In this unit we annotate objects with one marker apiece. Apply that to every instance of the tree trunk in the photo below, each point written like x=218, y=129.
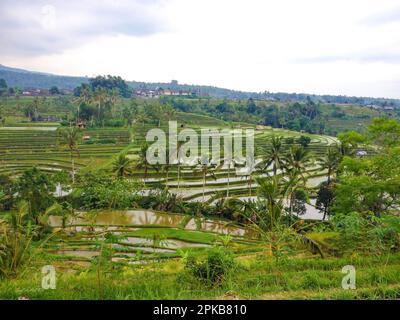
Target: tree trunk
x=229, y=176
x=73, y=170
x=204, y=184
x=166, y=179
x=179, y=178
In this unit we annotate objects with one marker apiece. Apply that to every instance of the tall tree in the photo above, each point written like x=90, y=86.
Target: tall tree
x=141, y=162
x=330, y=162
x=273, y=192
x=297, y=161
x=85, y=98
x=325, y=198
x=70, y=137
x=100, y=97
x=274, y=155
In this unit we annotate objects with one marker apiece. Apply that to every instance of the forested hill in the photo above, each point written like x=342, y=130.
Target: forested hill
x=30, y=79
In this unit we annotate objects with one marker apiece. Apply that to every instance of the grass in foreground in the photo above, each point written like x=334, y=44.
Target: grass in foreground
x=254, y=277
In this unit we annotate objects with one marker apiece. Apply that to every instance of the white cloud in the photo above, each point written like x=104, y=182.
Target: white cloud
x=46, y=27
x=308, y=46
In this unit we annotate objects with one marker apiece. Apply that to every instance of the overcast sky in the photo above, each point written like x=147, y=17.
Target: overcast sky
x=348, y=47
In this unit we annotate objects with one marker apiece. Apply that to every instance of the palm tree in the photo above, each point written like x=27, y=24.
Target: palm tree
x=231, y=164
x=275, y=154
x=296, y=164
x=84, y=98
x=330, y=162
x=122, y=166
x=297, y=161
x=70, y=137
x=65, y=211
x=169, y=112
x=2, y=107
x=100, y=97
x=205, y=165
x=113, y=98
x=273, y=192
x=141, y=117
x=294, y=183
x=166, y=167
x=179, y=147
x=141, y=162
x=17, y=94
x=250, y=168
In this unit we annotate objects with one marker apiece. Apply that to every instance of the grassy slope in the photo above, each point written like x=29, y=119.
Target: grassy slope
x=255, y=278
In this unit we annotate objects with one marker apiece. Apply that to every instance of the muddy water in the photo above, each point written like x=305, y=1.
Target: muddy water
x=168, y=243
x=148, y=217
x=125, y=218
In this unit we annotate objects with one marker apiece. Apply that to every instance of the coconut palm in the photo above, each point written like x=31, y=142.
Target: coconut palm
x=179, y=147
x=113, y=98
x=141, y=117
x=330, y=162
x=205, y=165
x=273, y=192
x=141, y=162
x=294, y=183
x=122, y=165
x=165, y=168
x=169, y=112
x=274, y=155
x=65, y=211
x=85, y=97
x=230, y=164
x=100, y=97
x=249, y=169
x=297, y=161
x=2, y=112
x=69, y=137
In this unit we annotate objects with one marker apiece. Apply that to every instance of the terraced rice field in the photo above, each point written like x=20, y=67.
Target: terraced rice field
x=140, y=235
x=190, y=186
x=24, y=147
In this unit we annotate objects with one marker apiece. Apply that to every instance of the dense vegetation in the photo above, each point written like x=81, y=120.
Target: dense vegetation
x=85, y=200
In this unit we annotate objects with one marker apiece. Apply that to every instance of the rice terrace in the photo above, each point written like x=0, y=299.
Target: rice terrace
x=85, y=214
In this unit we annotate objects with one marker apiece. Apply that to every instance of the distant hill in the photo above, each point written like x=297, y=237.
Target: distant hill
x=31, y=79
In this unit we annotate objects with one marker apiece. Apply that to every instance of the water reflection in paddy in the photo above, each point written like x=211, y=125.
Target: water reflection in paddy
x=148, y=218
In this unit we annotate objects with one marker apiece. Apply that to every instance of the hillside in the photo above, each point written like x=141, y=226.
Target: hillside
x=27, y=79
x=30, y=79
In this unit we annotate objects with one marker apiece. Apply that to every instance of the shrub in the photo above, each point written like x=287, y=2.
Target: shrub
x=214, y=268
x=15, y=242
x=367, y=233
